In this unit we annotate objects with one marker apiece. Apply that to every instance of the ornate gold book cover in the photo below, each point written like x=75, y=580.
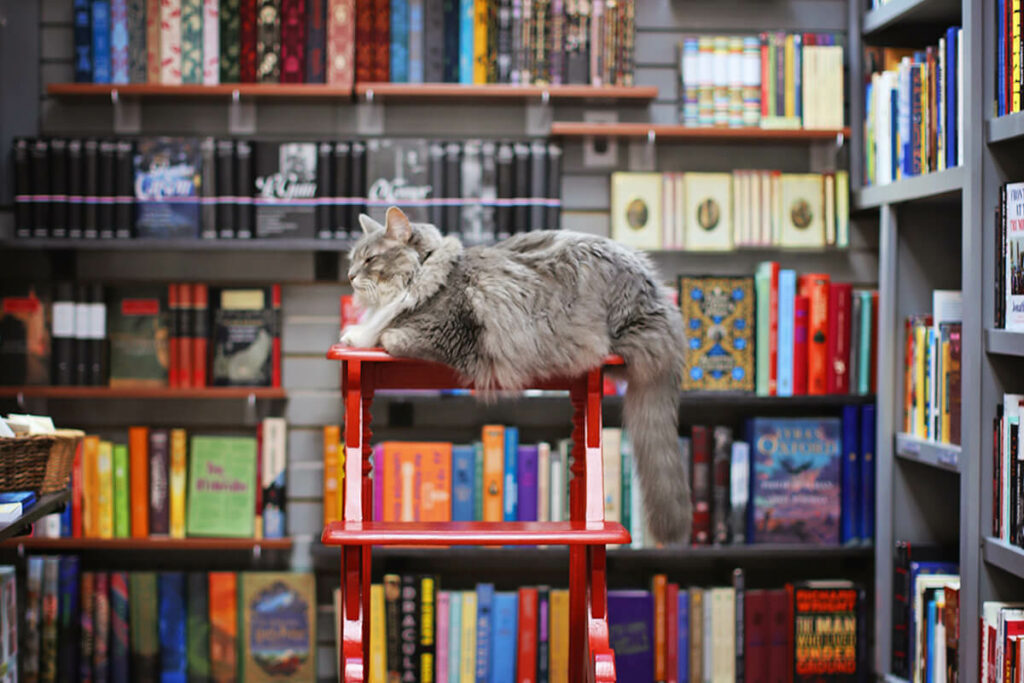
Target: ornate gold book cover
x=718, y=318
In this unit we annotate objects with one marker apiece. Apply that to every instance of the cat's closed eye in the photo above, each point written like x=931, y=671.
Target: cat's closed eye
x=369, y=259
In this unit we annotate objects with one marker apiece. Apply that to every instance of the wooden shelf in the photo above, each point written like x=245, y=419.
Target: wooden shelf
x=258, y=393
x=178, y=245
x=927, y=187
x=150, y=544
x=567, y=129
x=1007, y=557
x=904, y=13
x=45, y=505
x=224, y=90
x=1004, y=342
x=1006, y=128
x=412, y=92
x=939, y=455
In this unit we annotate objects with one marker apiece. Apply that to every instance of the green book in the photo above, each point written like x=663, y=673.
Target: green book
x=197, y=627
x=478, y=477
x=864, y=344
x=137, y=330
x=230, y=44
x=763, y=290
x=192, y=41
x=122, y=488
x=222, y=487
x=142, y=619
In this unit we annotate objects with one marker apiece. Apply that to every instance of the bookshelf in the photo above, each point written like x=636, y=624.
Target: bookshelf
x=940, y=455
x=296, y=91
x=90, y=393
x=1006, y=129
x=45, y=505
x=574, y=129
x=931, y=187
x=1004, y=343
x=456, y=92
x=903, y=14
x=209, y=545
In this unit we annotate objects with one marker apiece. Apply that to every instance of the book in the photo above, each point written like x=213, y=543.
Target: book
x=787, y=318
x=119, y=634
x=104, y=491
x=493, y=473
x=333, y=474
x=68, y=617
x=273, y=477
x=484, y=630
x=277, y=626
x=176, y=483
x=709, y=220
x=503, y=638
x=245, y=336
x=221, y=489
x=171, y=616
x=25, y=323
x=636, y=210
x=558, y=637
x=510, y=489
x=167, y=182
x=138, y=469
x=159, y=482
x=138, y=330
x=197, y=626
x=631, y=633
x=467, y=641
x=285, y=190
x=463, y=485
x=802, y=220
x=122, y=509
x=101, y=626
x=721, y=460
x=224, y=623
x=825, y=630
x=527, y=634
x=715, y=360
x=700, y=478
x=378, y=633
x=850, y=476
x=142, y=620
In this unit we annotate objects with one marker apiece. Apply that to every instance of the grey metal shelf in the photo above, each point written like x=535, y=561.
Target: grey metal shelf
x=1007, y=557
x=1006, y=128
x=1004, y=342
x=928, y=187
x=943, y=456
x=902, y=13
x=177, y=244
x=46, y=504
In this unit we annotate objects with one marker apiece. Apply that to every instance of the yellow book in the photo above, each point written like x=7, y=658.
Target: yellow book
x=790, y=95
x=378, y=635
x=559, y=637
x=920, y=345
x=332, y=508
x=494, y=472
x=178, y=482
x=105, y=490
x=467, y=648
x=428, y=597
x=480, y=52
x=90, y=486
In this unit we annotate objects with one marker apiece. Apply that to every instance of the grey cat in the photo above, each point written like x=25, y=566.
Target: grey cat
x=541, y=304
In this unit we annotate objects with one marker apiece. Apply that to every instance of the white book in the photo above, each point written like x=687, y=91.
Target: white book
x=636, y=498
x=708, y=641
x=211, y=42
x=939, y=646
x=558, y=484
x=739, y=490
x=170, y=42
x=543, y=482
x=723, y=642
x=922, y=583
x=1010, y=612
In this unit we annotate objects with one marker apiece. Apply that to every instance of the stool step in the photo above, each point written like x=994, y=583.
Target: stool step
x=474, y=533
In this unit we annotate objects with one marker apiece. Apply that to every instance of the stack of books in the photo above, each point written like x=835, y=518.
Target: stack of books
x=931, y=378
x=1008, y=472
x=1002, y=652
x=758, y=81
x=1008, y=58
x=1009, y=255
x=162, y=483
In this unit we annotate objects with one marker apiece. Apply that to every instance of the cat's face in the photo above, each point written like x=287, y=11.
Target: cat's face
x=384, y=260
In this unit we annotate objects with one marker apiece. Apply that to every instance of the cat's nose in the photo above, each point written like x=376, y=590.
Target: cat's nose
x=352, y=273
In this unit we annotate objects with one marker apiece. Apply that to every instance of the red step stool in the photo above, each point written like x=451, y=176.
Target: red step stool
x=586, y=534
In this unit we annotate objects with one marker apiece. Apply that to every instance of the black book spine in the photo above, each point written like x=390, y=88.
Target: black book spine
x=521, y=183
x=23, y=189
x=106, y=194
x=450, y=65
x=436, y=180
x=358, y=187
x=125, y=189
x=75, y=163
x=409, y=634
x=434, y=38
x=243, y=192
x=554, y=193
x=393, y=624
x=488, y=190
x=721, y=457
x=452, y=188
x=543, y=636
x=505, y=189
x=97, y=336
x=63, y=336
x=341, y=194
x=208, y=189
x=325, y=194
x=538, y=185
x=82, y=335
x=41, y=188
x=504, y=58
x=59, y=188
x=226, y=204
x=739, y=588
x=92, y=182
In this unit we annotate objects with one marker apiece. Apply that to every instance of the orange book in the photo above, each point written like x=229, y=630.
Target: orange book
x=558, y=637
x=223, y=626
x=332, y=482
x=138, y=472
x=200, y=334
x=90, y=486
x=174, y=340
x=526, y=652
x=435, y=469
x=658, y=586
x=185, y=335
x=494, y=472
x=815, y=287
x=417, y=481
x=401, y=496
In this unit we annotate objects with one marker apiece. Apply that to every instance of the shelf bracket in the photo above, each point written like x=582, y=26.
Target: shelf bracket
x=127, y=114
x=369, y=116
x=241, y=115
x=539, y=116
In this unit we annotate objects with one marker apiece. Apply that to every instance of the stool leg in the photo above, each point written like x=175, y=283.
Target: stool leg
x=601, y=659
x=354, y=618
x=577, y=554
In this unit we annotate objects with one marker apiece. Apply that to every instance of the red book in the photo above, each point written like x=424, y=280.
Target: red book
x=184, y=315
x=780, y=667
x=526, y=652
x=76, y=493
x=765, y=75
x=293, y=41
x=815, y=287
x=341, y=43
x=275, y=296
x=381, y=41
x=800, y=315
x=700, y=478
x=200, y=333
x=672, y=633
x=838, y=377
x=773, y=332
x=364, y=47
x=874, y=342
x=174, y=340
x=756, y=631
x=247, y=38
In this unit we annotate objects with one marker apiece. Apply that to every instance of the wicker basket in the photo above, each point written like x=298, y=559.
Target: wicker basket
x=40, y=463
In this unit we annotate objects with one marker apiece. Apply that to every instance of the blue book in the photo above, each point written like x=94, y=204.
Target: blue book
x=850, y=492
x=67, y=618
x=511, y=492
x=171, y=611
x=867, y=473
x=416, y=38
x=503, y=638
x=101, y=41
x=484, y=610
x=119, y=41
x=930, y=665
x=903, y=113
x=65, y=522
x=631, y=634
x=399, y=41
x=951, y=95
x=454, y=635
x=26, y=498
x=82, y=11
x=526, y=484
x=798, y=70
x=684, y=636
x=466, y=42
x=450, y=61
x=463, y=484
x=787, y=303
x=895, y=126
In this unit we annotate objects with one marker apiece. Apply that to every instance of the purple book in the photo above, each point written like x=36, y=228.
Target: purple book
x=159, y=492
x=378, y=482
x=101, y=627
x=526, y=483
x=631, y=630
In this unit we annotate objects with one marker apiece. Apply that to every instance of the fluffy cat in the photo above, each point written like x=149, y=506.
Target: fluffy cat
x=541, y=304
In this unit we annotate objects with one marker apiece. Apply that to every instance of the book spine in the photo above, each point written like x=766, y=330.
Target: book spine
x=467, y=52
x=325, y=204
x=463, y=484
x=86, y=625
x=243, y=192
x=838, y=378
x=224, y=618
x=503, y=61
x=382, y=41
x=90, y=197
x=101, y=627
x=510, y=492
x=174, y=338
x=481, y=57
x=159, y=470
x=392, y=602
x=527, y=636
x=364, y=48
x=225, y=194
x=721, y=460
x=119, y=639
x=333, y=474
x=124, y=189
x=82, y=329
x=484, y=618
x=701, y=483
x=68, y=619
x=247, y=39
x=659, y=587
x=210, y=202
x=274, y=477
x=538, y=186
x=293, y=41
x=63, y=334
x=493, y=473
x=153, y=50
x=105, y=490
x=191, y=41
x=172, y=611
x=399, y=50
x=177, y=484
x=341, y=177
x=427, y=640
x=138, y=468
x=48, y=620
x=41, y=188
x=850, y=473
x=450, y=58
x=122, y=493
x=230, y=41
x=416, y=41
x=119, y=41
x=275, y=299
x=867, y=473
x=268, y=41
x=24, y=188
x=197, y=627
x=106, y=193
x=801, y=310
x=82, y=17
x=101, y=65
x=316, y=45
x=787, y=294
x=170, y=42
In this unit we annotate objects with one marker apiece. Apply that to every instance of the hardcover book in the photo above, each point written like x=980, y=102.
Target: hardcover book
x=1013, y=245
x=825, y=631
x=24, y=335
x=708, y=221
x=230, y=40
x=142, y=620
x=268, y=41
x=191, y=41
x=285, y=190
x=397, y=174
x=636, y=211
x=245, y=337
x=293, y=41
x=137, y=325
x=221, y=491
x=795, y=481
x=224, y=623
x=631, y=634
x=168, y=177
x=278, y=626
x=197, y=627
x=802, y=221
x=718, y=315
x=171, y=620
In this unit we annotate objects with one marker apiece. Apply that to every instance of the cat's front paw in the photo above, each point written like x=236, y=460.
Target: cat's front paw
x=357, y=337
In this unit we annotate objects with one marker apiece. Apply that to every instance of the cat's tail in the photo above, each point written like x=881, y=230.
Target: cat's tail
x=651, y=418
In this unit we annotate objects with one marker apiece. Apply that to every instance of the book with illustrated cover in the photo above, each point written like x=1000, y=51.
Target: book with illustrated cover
x=245, y=338
x=397, y=174
x=24, y=335
x=825, y=630
x=718, y=316
x=137, y=327
x=285, y=190
x=636, y=209
x=221, y=490
x=224, y=622
x=278, y=626
x=168, y=179
x=1013, y=257
x=708, y=221
x=803, y=218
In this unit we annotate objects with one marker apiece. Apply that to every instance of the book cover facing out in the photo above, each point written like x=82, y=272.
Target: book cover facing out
x=278, y=626
x=718, y=317
x=397, y=174
x=168, y=175
x=631, y=634
x=243, y=337
x=825, y=631
x=137, y=327
x=221, y=488
x=285, y=189
x=24, y=335
x=795, y=482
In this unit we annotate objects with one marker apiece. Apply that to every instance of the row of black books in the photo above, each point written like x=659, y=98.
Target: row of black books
x=184, y=188
x=152, y=335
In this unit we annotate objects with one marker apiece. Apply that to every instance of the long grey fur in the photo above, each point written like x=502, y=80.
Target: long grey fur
x=538, y=305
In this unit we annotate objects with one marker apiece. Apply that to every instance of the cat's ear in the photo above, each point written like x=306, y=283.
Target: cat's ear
x=369, y=225
x=398, y=226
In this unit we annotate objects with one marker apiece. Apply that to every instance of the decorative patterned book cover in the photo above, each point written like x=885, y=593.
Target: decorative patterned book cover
x=381, y=41
x=416, y=38
x=138, y=336
x=167, y=186
x=503, y=42
x=211, y=42
x=278, y=626
x=101, y=67
x=268, y=41
x=285, y=190
x=119, y=641
x=342, y=56
x=153, y=32
x=399, y=50
x=230, y=40
x=316, y=41
x=119, y=41
x=434, y=40
x=795, y=481
x=365, y=51
x=247, y=24
x=171, y=619
x=170, y=42
x=82, y=12
x=293, y=41
x=718, y=316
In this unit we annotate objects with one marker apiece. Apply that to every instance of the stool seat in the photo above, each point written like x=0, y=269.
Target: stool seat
x=474, y=533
